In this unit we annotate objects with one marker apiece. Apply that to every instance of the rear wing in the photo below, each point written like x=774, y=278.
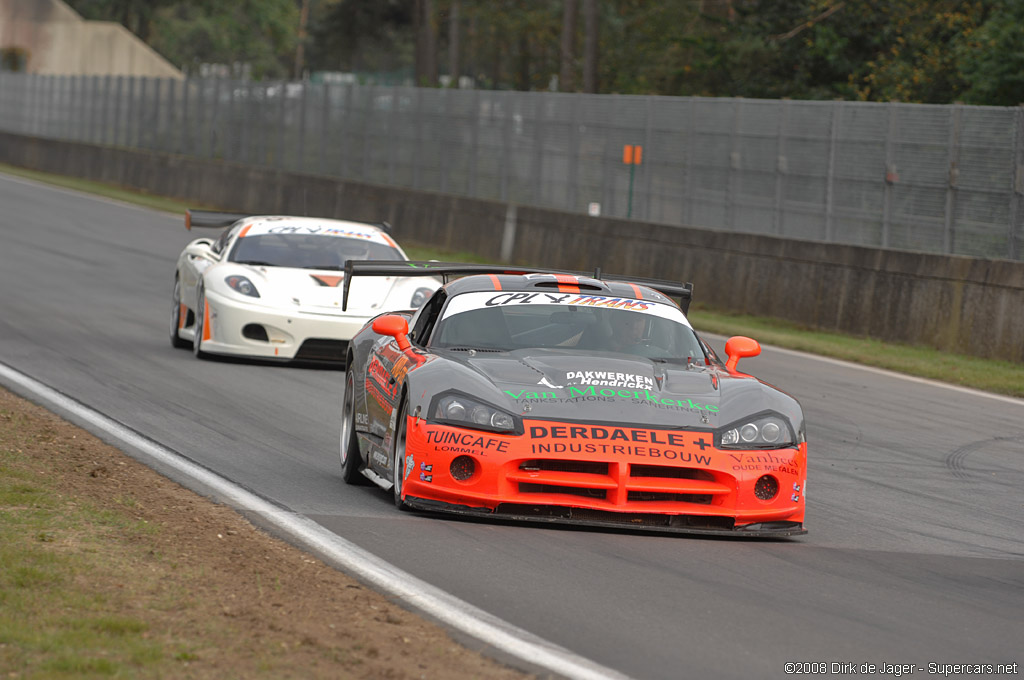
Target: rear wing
x=445, y=270
x=211, y=218
x=216, y=219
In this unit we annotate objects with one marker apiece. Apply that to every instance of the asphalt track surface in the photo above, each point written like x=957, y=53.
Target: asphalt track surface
x=915, y=508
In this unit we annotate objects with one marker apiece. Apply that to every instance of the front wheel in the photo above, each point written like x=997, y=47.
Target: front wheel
x=351, y=459
x=398, y=471
x=176, y=341
x=200, y=324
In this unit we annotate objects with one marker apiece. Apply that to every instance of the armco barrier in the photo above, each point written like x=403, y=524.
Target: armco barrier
x=961, y=304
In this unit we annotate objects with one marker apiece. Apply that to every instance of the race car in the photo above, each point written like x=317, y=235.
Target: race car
x=268, y=286
x=543, y=395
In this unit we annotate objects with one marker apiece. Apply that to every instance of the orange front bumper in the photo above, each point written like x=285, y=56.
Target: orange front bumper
x=600, y=474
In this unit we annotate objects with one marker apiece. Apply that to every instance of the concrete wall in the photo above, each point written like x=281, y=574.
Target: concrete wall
x=966, y=305
x=60, y=42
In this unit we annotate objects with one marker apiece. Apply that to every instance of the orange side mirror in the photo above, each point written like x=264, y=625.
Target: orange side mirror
x=738, y=347
x=398, y=328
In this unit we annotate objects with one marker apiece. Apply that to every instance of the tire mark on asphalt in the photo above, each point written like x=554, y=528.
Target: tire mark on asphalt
x=955, y=460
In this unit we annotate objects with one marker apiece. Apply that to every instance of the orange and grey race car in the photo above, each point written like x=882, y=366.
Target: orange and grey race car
x=540, y=395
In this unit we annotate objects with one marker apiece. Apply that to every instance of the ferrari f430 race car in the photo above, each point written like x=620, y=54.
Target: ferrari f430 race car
x=550, y=396
x=268, y=286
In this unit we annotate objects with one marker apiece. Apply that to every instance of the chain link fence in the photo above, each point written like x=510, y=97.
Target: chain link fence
x=943, y=179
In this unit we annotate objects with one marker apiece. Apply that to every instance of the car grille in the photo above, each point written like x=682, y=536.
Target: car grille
x=660, y=489
x=321, y=349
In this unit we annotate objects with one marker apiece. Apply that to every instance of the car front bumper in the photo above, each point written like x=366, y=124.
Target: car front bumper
x=630, y=477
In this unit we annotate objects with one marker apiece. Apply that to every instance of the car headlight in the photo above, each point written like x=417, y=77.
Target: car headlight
x=762, y=431
x=459, y=409
x=242, y=285
x=420, y=296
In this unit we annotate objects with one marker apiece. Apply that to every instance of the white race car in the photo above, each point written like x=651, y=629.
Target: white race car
x=269, y=287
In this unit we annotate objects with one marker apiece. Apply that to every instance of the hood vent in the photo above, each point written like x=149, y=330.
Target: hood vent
x=327, y=281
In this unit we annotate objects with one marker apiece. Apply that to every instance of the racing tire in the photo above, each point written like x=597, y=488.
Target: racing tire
x=197, y=338
x=176, y=340
x=351, y=458
x=398, y=456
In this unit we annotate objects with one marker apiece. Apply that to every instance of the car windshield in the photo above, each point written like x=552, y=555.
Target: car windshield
x=308, y=251
x=497, y=321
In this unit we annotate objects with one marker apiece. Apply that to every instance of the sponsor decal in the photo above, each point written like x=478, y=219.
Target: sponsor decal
x=382, y=378
x=410, y=465
x=426, y=478
x=400, y=367
x=379, y=457
x=466, y=302
x=426, y=468
x=567, y=299
x=763, y=462
x=644, y=397
x=621, y=441
x=463, y=442
x=610, y=379
x=374, y=391
x=325, y=231
x=362, y=419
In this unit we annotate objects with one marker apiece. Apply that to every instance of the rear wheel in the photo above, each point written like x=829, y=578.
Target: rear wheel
x=176, y=340
x=398, y=471
x=200, y=324
x=351, y=459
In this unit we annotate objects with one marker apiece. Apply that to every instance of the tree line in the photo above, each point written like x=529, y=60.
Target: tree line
x=930, y=51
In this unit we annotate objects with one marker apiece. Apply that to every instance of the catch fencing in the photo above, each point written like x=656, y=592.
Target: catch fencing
x=928, y=178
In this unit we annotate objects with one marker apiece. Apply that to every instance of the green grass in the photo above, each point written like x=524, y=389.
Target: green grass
x=1002, y=377
x=49, y=628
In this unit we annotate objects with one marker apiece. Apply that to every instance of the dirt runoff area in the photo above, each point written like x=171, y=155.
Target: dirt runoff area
x=201, y=577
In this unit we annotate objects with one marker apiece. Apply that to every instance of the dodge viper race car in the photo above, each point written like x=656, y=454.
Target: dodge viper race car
x=267, y=286
x=527, y=394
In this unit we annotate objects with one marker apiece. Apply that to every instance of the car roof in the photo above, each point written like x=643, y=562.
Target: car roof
x=554, y=283
x=256, y=225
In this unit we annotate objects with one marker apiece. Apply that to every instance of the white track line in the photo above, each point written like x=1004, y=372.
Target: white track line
x=341, y=553
x=880, y=371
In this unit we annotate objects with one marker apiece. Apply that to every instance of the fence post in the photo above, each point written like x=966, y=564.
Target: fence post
x=118, y=103
x=417, y=151
x=158, y=86
x=573, y=179
x=324, y=138
x=688, y=179
x=1017, y=188
x=781, y=168
x=538, y=158
x=88, y=108
x=735, y=162
x=32, y=103
x=890, y=177
x=345, y=125
x=170, y=137
x=445, y=136
x=645, y=172
x=300, y=162
x=837, y=111
x=391, y=133
x=506, y=147
x=281, y=120
x=474, y=142
x=105, y=119
x=184, y=147
x=953, y=156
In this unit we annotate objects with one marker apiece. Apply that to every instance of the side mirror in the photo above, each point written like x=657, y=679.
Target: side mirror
x=199, y=250
x=397, y=327
x=738, y=347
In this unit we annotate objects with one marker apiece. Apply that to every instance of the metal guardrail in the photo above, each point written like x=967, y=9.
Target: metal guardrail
x=942, y=179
